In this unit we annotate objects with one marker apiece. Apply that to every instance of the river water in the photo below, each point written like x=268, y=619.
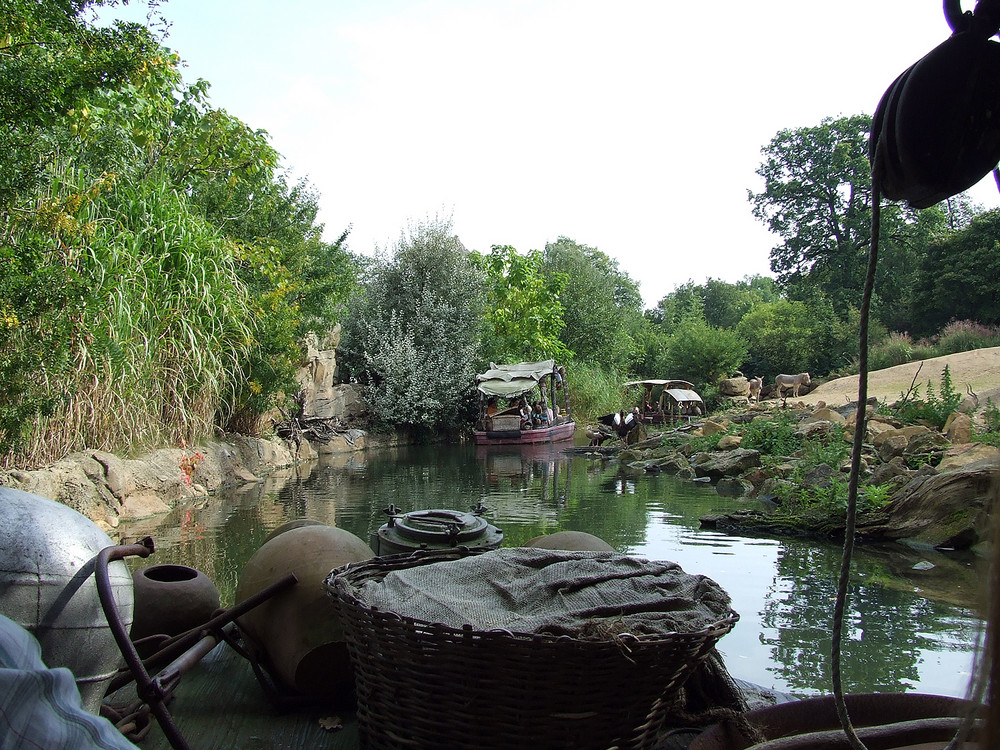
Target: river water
x=913, y=616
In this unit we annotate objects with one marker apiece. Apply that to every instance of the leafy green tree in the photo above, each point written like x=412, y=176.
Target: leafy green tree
x=817, y=199
x=412, y=337
x=602, y=305
x=725, y=304
x=524, y=314
x=703, y=354
x=686, y=301
x=956, y=279
x=779, y=336
x=51, y=60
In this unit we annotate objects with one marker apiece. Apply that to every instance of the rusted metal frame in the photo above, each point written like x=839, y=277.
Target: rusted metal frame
x=155, y=691
x=183, y=641
x=148, y=689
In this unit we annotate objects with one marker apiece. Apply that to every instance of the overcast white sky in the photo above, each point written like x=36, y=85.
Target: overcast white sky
x=633, y=126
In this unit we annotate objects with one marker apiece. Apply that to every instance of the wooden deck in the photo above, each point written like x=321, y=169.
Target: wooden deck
x=220, y=705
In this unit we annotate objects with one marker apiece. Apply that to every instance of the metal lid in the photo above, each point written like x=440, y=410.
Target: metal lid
x=439, y=526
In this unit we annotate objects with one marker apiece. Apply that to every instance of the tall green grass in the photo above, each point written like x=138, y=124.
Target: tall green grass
x=596, y=390
x=157, y=330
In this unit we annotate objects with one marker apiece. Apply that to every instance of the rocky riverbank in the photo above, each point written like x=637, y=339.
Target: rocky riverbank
x=933, y=488
x=109, y=489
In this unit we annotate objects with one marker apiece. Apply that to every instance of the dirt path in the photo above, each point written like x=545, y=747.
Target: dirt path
x=979, y=369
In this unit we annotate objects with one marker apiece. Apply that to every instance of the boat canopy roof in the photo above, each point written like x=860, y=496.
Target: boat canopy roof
x=665, y=383
x=683, y=394
x=513, y=380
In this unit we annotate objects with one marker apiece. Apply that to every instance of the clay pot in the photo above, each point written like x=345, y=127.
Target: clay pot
x=171, y=599
x=293, y=524
x=297, y=634
x=577, y=541
x=48, y=553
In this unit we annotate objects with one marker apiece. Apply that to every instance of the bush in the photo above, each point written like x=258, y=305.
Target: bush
x=702, y=354
x=935, y=408
x=774, y=436
x=897, y=349
x=965, y=335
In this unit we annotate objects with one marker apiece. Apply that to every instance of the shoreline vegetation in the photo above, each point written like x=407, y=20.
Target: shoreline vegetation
x=161, y=271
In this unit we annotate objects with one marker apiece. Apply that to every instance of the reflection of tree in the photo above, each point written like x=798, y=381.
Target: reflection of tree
x=885, y=632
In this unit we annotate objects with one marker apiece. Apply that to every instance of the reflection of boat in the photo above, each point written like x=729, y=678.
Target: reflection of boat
x=524, y=387
x=667, y=400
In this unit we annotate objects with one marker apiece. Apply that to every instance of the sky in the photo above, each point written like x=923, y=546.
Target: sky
x=634, y=127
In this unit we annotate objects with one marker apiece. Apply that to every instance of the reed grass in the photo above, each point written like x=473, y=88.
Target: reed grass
x=159, y=330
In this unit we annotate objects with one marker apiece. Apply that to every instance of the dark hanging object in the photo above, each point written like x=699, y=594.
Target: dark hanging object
x=936, y=131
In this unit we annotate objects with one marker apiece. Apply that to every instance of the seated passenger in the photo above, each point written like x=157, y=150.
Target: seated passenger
x=525, y=413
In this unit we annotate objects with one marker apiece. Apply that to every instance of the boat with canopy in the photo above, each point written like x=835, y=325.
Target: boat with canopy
x=523, y=404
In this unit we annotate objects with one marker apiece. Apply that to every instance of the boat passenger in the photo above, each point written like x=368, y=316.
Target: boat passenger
x=525, y=416
x=491, y=406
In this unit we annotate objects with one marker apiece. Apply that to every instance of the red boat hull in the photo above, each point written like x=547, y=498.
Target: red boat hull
x=554, y=434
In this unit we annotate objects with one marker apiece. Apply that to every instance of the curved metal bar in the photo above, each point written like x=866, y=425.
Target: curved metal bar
x=149, y=690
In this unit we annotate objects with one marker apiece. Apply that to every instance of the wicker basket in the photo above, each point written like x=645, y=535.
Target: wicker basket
x=427, y=685
x=504, y=422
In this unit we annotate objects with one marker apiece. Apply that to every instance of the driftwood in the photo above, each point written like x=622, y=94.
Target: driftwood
x=313, y=429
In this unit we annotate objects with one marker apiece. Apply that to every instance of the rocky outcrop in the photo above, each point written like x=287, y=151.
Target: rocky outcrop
x=947, y=511
x=106, y=488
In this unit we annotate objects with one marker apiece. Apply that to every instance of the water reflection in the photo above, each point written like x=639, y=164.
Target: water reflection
x=910, y=628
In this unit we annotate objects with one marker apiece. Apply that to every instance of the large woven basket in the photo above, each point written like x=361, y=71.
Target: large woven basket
x=427, y=685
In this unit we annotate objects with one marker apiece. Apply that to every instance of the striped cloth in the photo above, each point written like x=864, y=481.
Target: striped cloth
x=40, y=708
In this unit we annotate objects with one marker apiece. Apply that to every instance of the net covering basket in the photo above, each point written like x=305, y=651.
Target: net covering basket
x=427, y=684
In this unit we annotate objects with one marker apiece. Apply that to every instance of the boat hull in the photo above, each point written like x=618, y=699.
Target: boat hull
x=556, y=433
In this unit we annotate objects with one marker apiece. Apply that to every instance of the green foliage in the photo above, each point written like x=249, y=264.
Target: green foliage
x=413, y=337
x=524, y=315
x=774, y=437
x=966, y=335
x=702, y=354
x=52, y=60
x=896, y=349
x=817, y=199
x=874, y=496
x=956, y=277
x=596, y=390
x=935, y=408
x=156, y=270
x=602, y=307
x=779, y=338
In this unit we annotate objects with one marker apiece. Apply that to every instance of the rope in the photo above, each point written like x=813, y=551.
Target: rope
x=852, y=487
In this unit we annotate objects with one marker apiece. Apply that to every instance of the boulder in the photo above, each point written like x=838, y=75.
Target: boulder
x=729, y=442
x=712, y=428
x=906, y=432
x=725, y=463
x=948, y=511
x=957, y=456
x=826, y=415
x=733, y=487
x=958, y=428
x=738, y=386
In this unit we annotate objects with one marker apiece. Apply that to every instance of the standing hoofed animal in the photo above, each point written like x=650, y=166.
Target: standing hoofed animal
x=784, y=382
x=755, y=385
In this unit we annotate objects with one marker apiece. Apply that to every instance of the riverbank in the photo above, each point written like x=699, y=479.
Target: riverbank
x=109, y=489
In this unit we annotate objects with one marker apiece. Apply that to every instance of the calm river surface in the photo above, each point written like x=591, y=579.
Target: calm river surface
x=910, y=629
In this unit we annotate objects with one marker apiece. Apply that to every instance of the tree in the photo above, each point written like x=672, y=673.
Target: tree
x=524, y=313
x=602, y=306
x=956, y=279
x=817, y=199
x=412, y=337
x=703, y=354
x=51, y=60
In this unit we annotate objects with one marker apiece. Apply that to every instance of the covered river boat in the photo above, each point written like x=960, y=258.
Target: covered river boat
x=664, y=401
x=523, y=404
